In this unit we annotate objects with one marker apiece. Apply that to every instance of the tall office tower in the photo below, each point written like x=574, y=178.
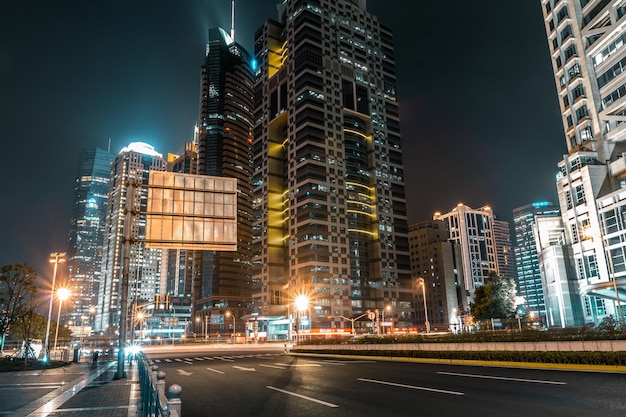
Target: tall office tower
x=472, y=229
x=86, y=235
x=586, y=43
x=529, y=281
x=563, y=305
x=437, y=259
x=129, y=171
x=504, y=249
x=330, y=206
x=224, y=143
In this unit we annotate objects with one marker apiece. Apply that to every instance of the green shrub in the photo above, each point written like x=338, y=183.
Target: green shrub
x=576, y=358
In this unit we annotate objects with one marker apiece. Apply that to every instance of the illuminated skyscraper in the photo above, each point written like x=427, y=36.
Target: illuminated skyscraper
x=529, y=282
x=86, y=236
x=131, y=166
x=473, y=230
x=222, y=280
x=330, y=210
x=586, y=40
x=504, y=249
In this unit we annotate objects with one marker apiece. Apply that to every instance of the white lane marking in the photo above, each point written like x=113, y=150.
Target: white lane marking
x=303, y=397
x=504, y=378
x=184, y=373
x=33, y=384
x=188, y=362
x=393, y=384
x=167, y=360
x=208, y=358
x=298, y=364
x=198, y=359
x=188, y=359
x=272, y=366
x=241, y=368
x=215, y=370
x=224, y=359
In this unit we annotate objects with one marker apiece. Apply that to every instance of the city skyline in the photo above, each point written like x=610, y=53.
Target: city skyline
x=475, y=126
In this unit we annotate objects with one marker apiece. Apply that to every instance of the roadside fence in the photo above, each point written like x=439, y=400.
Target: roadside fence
x=154, y=402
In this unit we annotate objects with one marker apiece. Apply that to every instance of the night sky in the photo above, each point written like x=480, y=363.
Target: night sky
x=479, y=114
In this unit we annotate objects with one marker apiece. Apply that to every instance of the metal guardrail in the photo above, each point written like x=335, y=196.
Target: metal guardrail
x=154, y=402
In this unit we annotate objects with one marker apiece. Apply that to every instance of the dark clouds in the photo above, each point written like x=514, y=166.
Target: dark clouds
x=479, y=115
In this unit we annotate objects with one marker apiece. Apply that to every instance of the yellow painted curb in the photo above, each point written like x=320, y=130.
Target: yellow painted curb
x=503, y=364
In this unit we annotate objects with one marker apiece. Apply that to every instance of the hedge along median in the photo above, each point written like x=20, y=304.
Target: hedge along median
x=557, y=357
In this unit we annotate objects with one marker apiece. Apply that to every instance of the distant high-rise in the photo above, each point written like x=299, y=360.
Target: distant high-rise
x=330, y=208
x=473, y=230
x=558, y=273
x=529, y=281
x=86, y=235
x=504, y=249
x=586, y=40
x=222, y=280
x=131, y=167
x=437, y=259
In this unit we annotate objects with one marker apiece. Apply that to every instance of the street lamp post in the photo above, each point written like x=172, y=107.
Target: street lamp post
x=352, y=320
x=229, y=313
x=55, y=258
x=421, y=282
x=62, y=294
x=82, y=333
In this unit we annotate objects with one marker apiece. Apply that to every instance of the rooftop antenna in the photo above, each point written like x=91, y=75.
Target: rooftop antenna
x=109, y=148
x=232, y=21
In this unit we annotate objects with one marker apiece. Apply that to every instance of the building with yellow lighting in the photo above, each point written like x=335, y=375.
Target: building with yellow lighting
x=330, y=210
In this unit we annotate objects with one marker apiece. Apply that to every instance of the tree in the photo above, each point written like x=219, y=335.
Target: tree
x=29, y=325
x=495, y=299
x=17, y=292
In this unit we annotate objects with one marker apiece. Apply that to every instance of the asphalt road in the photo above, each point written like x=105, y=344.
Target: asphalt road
x=257, y=381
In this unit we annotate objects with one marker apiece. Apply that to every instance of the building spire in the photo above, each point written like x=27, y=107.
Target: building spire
x=232, y=21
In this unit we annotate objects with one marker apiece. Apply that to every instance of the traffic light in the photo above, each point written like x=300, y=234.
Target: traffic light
x=167, y=301
x=157, y=302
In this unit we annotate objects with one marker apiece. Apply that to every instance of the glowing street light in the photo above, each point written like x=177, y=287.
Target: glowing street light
x=55, y=258
x=302, y=304
x=229, y=313
x=420, y=281
x=62, y=294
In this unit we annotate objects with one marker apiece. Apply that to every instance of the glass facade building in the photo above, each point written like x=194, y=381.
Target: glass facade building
x=529, y=281
x=86, y=234
x=131, y=166
x=223, y=280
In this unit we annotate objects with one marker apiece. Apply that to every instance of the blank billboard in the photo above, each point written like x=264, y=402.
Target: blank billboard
x=188, y=211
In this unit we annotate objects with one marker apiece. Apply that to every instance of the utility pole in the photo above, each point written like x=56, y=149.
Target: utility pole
x=130, y=201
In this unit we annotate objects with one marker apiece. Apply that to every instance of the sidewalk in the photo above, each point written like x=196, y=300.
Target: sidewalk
x=94, y=392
